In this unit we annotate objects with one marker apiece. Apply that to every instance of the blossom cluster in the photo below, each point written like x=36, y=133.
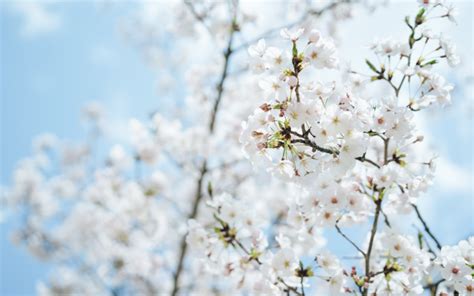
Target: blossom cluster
x=352, y=159
x=456, y=264
x=339, y=146
x=113, y=218
x=178, y=209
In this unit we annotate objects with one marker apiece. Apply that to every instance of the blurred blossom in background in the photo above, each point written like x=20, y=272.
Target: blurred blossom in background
x=57, y=57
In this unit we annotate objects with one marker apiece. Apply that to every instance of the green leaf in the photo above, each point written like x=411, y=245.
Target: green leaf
x=209, y=189
x=411, y=40
x=419, y=17
x=421, y=12
x=432, y=62
x=371, y=66
x=420, y=239
x=295, y=50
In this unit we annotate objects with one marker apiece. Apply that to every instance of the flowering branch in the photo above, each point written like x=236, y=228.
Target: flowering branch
x=306, y=141
x=339, y=154
x=203, y=170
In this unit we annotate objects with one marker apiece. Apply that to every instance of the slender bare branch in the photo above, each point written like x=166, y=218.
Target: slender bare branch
x=350, y=241
x=200, y=18
x=385, y=218
x=425, y=226
x=371, y=243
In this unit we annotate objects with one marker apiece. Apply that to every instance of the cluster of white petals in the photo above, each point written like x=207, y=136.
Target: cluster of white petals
x=456, y=265
x=351, y=158
x=237, y=187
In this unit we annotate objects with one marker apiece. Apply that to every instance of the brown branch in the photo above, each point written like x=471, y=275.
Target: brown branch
x=197, y=16
x=349, y=240
x=289, y=288
x=198, y=194
x=314, y=146
x=385, y=271
x=220, y=85
x=425, y=226
x=371, y=243
x=183, y=244
x=306, y=141
x=364, y=159
x=302, y=286
x=385, y=218
x=385, y=150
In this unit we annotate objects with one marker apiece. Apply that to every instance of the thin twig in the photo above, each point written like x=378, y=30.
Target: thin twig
x=197, y=16
x=183, y=245
x=385, y=218
x=304, y=17
x=364, y=159
x=315, y=146
x=385, y=151
x=350, y=241
x=425, y=226
x=306, y=141
x=241, y=246
x=302, y=286
x=198, y=194
x=371, y=243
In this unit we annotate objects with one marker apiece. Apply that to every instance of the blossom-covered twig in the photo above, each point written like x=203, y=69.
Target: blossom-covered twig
x=203, y=170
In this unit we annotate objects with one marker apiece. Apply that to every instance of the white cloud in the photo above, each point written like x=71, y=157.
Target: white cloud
x=37, y=18
x=450, y=176
x=453, y=178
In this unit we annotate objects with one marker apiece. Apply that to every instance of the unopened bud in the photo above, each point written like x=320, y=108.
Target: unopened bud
x=266, y=107
x=419, y=138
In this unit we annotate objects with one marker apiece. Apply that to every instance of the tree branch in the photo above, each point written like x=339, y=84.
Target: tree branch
x=425, y=226
x=350, y=241
x=306, y=141
x=371, y=243
x=364, y=159
x=204, y=169
x=183, y=244
x=197, y=16
x=385, y=218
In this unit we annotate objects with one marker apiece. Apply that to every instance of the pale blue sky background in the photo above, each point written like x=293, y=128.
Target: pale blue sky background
x=47, y=76
x=45, y=80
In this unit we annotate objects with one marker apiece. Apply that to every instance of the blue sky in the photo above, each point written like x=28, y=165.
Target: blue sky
x=49, y=74
x=46, y=77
